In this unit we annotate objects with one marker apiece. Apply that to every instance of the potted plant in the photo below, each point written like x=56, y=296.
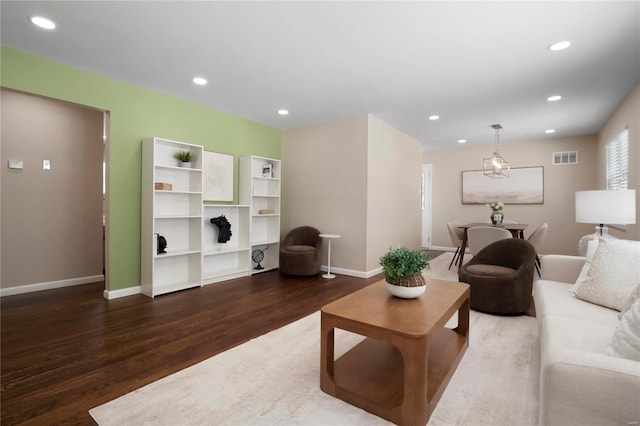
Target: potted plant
x=496, y=212
x=403, y=271
x=184, y=157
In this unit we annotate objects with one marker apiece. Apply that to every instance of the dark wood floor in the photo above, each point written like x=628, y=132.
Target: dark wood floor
x=68, y=350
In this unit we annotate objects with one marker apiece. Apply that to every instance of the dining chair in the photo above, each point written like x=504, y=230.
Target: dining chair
x=479, y=237
x=456, y=234
x=536, y=239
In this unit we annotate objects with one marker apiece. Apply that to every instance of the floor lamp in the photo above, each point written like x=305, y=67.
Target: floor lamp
x=604, y=207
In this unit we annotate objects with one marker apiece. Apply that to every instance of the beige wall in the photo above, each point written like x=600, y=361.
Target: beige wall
x=560, y=185
x=51, y=220
x=355, y=177
x=324, y=184
x=626, y=115
x=394, y=215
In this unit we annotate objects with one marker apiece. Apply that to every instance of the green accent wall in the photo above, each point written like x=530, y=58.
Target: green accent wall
x=135, y=113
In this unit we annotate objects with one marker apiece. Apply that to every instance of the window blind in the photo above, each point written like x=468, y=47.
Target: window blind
x=618, y=161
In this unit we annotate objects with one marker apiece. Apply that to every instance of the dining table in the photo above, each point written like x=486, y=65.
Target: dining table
x=516, y=229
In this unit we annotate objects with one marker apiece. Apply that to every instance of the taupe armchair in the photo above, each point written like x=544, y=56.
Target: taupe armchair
x=301, y=252
x=500, y=277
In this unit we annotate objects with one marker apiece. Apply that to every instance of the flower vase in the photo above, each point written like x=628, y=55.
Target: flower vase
x=496, y=218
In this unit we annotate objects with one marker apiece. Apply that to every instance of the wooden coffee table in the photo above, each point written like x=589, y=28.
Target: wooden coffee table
x=401, y=369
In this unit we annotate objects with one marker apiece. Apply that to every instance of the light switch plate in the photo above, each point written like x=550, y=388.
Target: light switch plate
x=15, y=164
x=46, y=165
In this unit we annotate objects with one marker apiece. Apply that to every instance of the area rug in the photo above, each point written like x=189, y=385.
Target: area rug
x=438, y=267
x=274, y=380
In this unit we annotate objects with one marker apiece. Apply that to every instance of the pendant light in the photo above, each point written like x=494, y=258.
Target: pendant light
x=495, y=166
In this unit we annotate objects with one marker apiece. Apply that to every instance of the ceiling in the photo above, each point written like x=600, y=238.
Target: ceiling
x=472, y=63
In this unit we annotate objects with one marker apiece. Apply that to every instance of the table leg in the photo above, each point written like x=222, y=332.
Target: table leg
x=329, y=274
x=327, y=343
x=415, y=407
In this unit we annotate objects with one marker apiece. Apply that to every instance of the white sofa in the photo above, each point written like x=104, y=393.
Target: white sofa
x=579, y=384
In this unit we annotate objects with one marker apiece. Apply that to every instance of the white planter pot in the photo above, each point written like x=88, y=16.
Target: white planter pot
x=406, y=292
x=185, y=164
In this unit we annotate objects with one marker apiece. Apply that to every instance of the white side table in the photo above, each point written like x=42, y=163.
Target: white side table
x=329, y=237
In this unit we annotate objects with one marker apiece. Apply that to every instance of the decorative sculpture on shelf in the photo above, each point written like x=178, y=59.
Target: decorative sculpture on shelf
x=224, y=228
x=161, y=244
x=257, y=256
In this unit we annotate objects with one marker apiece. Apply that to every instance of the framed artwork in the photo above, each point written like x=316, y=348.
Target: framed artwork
x=525, y=185
x=217, y=176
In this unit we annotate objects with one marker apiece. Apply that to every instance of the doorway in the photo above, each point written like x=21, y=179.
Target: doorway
x=52, y=203
x=426, y=205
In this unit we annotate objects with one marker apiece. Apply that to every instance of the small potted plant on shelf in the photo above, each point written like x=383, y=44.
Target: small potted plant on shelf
x=403, y=271
x=184, y=157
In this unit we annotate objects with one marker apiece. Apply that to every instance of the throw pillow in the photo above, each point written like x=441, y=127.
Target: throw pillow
x=613, y=275
x=592, y=245
x=625, y=342
x=635, y=295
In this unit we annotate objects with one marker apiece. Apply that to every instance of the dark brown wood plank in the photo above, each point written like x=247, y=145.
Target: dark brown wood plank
x=66, y=351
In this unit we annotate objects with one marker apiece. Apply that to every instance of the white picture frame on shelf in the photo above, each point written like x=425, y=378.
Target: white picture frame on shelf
x=267, y=170
x=217, y=169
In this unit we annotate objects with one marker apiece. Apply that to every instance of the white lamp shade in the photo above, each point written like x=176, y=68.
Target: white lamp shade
x=606, y=206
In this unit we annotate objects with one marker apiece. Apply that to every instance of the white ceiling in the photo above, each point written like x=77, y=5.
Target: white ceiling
x=473, y=63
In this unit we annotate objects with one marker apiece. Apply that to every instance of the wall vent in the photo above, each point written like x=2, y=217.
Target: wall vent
x=567, y=157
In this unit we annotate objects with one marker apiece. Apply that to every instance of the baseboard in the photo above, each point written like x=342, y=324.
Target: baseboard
x=50, y=285
x=352, y=273
x=442, y=248
x=123, y=292
x=451, y=249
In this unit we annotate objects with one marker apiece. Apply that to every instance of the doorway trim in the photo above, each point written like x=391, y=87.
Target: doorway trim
x=426, y=205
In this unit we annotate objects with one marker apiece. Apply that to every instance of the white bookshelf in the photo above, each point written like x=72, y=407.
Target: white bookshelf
x=224, y=261
x=262, y=193
x=176, y=214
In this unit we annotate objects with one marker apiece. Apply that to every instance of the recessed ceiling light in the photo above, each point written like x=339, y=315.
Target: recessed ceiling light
x=434, y=117
x=561, y=45
x=283, y=112
x=42, y=22
x=550, y=131
x=199, y=81
x=462, y=140
x=554, y=98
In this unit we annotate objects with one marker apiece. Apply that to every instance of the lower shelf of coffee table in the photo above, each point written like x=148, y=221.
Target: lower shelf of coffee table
x=374, y=369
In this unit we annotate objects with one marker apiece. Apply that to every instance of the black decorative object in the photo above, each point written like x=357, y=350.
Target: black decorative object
x=224, y=228
x=161, y=244
x=257, y=256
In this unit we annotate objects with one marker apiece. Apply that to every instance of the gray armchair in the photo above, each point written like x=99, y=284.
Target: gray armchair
x=301, y=252
x=500, y=277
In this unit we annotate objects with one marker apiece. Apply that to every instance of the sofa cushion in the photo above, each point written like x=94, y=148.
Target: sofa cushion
x=592, y=245
x=625, y=342
x=553, y=297
x=579, y=384
x=613, y=275
x=576, y=334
